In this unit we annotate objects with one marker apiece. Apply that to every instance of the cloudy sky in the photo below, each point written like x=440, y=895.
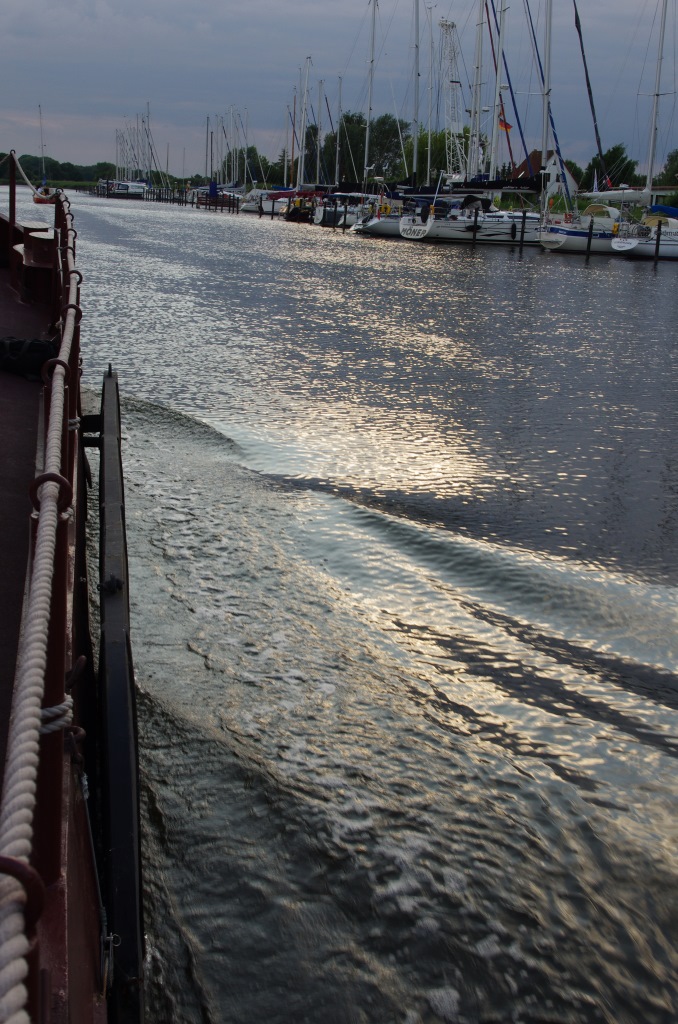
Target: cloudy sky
x=93, y=66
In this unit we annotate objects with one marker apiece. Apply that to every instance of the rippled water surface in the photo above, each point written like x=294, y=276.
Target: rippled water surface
x=403, y=547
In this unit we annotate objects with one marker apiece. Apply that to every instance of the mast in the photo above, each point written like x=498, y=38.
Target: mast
x=302, y=133
x=317, y=142
x=473, y=165
x=336, y=162
x=415, y=118
x=149, y=162
x=286, y=154
x=577, y=25
x=294, y=131
x=42, y=143
x=430, y=92
x=366, y=166
x=547, y=97
x=654, y=123
x=247, y=161
x=497, y=94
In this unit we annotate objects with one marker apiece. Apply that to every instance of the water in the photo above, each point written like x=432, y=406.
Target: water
x=403, y=548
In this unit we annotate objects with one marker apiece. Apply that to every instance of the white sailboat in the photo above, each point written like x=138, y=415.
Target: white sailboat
x=380, y=215
x=595, y=229
x=474, y=218
x=656, y=236
x=605, y=226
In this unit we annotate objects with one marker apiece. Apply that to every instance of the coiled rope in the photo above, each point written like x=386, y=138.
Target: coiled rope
x=21, y=766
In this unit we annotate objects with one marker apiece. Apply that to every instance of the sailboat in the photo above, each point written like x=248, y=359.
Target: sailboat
x=474, y=218
x=656, y=236
x=607, y=216
x=380, y=214
x=44, y=195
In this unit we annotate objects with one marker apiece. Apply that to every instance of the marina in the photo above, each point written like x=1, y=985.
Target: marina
x=402, y=542
x=339, y=632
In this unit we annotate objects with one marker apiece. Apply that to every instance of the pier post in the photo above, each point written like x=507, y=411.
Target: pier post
x=657, y=240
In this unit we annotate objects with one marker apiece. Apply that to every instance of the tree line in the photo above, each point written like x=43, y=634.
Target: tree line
x=58, y=173
x=391, y=157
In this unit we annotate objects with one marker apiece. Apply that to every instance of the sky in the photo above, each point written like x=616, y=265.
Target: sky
x=93, y=68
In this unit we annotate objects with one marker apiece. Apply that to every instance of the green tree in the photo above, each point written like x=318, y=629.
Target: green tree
x=669, y=172
x=438, y=156
x=386, y=150
x=103, y=170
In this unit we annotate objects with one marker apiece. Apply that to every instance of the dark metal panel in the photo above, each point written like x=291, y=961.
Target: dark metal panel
x=123, y=896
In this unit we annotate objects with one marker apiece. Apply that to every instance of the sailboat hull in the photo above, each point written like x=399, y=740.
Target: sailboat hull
x=501, y=228
x=575, y=240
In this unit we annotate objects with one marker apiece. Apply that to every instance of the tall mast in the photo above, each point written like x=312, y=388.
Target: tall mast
x=547, y=96
x=320, y=107
x=302, y=133
x=497, y=94
x=654, y=124
x=415, y=118
x=336, y=162
x=247, y=162
x=42, y=143
x=286, y=154
x=366, y=166
x=294, y=133
x=149, y=162
x=430, y=93
x=473, y=166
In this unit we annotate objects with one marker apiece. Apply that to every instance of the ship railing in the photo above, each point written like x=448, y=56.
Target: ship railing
x=39, y=702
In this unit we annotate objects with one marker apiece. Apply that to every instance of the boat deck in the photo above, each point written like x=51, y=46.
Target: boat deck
x=19, y=405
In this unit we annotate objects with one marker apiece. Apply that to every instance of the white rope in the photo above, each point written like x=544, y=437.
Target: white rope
x=56, y=717
x=21, y=765
x=21, y=172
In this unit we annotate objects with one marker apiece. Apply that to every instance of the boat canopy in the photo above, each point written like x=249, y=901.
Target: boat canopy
x=477, y=202
x=668, y=211
x=600, y=211
x=653, y=220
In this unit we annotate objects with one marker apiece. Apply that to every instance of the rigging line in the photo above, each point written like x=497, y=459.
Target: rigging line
x=577, y=25
x=294, y=127
x=329, y=113
x=388, y=29
x=348, y=144
x=400, y=134
x=316, y=142
x=357, y=37
x=641, y=19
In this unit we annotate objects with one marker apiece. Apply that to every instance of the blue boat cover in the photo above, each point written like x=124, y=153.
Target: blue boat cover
x=668, y=211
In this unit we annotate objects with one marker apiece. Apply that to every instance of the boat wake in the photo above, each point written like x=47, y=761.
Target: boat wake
x=396, y=772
